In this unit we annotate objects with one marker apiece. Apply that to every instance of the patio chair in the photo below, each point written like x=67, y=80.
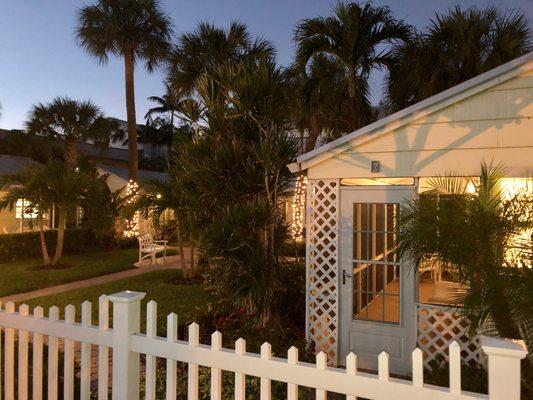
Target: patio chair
x=148, y=247
x=433, y=268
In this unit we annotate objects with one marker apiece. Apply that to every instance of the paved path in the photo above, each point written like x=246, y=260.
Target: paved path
x=173, y=262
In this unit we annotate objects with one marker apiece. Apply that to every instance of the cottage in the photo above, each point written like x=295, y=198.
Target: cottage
x=360, y=296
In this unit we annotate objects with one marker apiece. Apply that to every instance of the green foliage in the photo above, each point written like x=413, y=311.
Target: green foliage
x=110, y=27
x=455, y=47
x=72, y=121
x=18, y=246
x=473, y=377
x=54, y=185
x=482, y=235
x=333, y=61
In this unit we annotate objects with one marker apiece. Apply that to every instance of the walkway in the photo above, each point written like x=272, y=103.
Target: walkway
x=172, y=263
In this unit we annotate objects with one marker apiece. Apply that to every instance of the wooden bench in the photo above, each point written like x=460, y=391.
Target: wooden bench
x=148, y=247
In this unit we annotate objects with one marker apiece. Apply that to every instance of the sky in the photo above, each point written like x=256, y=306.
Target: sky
x=39, y=58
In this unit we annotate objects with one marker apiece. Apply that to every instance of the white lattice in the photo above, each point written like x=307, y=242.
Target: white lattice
x=322, y=251
x=438, y=327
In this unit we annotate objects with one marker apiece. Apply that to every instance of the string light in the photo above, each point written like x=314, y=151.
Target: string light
x=298, y=209
x=132, y=224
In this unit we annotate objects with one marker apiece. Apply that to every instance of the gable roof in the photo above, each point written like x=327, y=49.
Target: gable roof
x=13, y=164
x=421, y=109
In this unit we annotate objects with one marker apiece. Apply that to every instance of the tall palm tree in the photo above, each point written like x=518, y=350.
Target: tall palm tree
x=209, y=48
x=136, y=30
x=72, y=121
x=353, y=40
x=455, y=47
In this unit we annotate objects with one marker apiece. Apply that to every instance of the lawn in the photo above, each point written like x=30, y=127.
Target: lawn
x=23, y=276
x=188, y=301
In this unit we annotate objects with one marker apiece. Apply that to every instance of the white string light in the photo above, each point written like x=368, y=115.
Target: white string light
x=298, y=209
x=132, y=224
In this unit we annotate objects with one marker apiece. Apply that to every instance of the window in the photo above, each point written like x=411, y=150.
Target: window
x=23, y=207
x=376, y=267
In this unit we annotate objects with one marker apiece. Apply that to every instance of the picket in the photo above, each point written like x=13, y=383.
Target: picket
x=68, y=365
x=85, y=362
x=151, y=332
x=292, y=358
x=9, y=358
x=351, y=369
x=103, y=351
x=37, y=361
x=192, y=384
x=216, y=373
x=53, y=372
x=240, y=379
x=128, y=343
x=22, y=368
x=172, y=336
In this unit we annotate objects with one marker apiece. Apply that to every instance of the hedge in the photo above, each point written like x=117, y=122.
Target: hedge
x=16, y=246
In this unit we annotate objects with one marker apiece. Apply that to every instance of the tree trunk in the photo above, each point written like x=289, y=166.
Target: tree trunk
x=71, y=153
x=182, y=254
x=314, y=133
x=192, y=269
x=130, y=110
x=44, y=248
x=60, y=236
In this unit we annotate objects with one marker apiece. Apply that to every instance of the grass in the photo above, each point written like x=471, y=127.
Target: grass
x=188, y=301
x=22, y=276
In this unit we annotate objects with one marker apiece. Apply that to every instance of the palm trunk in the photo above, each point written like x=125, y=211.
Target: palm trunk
x=71, y=153
x=182, y=255
x=314, y=133
x=192, y=270
x=60, y=236
x=130, y=111
x=44, y=248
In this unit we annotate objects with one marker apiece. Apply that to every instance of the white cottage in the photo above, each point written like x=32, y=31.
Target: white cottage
x=360, y=296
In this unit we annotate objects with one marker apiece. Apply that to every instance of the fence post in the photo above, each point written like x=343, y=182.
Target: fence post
x=504, y=366
x=126, y=364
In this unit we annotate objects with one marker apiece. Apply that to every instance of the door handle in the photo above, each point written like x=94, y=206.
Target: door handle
x=344, y=276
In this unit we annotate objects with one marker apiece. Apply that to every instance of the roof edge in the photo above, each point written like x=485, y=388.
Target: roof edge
x=425, y=107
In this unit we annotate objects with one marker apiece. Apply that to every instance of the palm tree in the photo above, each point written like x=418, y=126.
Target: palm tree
x=136, y=30
x=208, y=48
x=353, y=41
x=72, y=121
x=496, y=266
x=166, y=104
x=455, y=47
x=47, y=185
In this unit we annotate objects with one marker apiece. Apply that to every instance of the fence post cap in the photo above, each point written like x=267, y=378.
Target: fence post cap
x=510, y=348
x=127, y=296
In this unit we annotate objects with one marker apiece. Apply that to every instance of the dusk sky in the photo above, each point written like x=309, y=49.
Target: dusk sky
x=40, y=58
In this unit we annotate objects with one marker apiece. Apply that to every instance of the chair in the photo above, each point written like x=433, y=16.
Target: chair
x=148, y=247
x=433, y=268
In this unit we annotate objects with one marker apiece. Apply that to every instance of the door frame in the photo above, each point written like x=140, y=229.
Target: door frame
x=397, y=339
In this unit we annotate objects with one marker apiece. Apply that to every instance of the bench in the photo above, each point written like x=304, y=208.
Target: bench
x=148, y=247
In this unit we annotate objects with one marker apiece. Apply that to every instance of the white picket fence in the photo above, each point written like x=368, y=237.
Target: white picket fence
x=127, y=344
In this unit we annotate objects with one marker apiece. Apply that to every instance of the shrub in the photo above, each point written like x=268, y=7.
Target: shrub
x=16, y=246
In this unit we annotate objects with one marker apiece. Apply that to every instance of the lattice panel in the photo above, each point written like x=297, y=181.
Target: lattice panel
x=322, y=251
x=438, y=327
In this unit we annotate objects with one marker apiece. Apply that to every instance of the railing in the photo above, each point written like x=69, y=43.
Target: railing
x=127, y=344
